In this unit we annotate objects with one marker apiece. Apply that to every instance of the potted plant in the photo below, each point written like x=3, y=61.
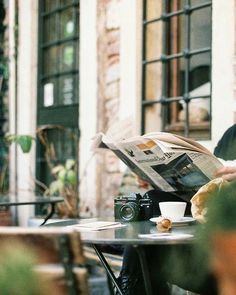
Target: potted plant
x=64, y=175
x=65, y=184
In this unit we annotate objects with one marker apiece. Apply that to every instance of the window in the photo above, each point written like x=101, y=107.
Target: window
x=176, y=75
x=58, y=77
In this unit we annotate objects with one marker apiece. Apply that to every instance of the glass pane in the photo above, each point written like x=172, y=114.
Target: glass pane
x=49, y=31
x=200, y=72
x=67, y=57
x=200, y=28
x=153, y=9
x=154, y=40
x=198, y=2
x=50, y=5
x=67, y=90
x=177, y=40
x=66, y=2
x=63, y=141
x=67, y=23
x=153, y=86
x=152, y=118
x=175, y=5
x=49, y=93
x=176, y=78
x=50, y=60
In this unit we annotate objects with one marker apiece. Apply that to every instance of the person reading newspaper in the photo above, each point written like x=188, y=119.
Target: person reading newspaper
x=130, y=279
x=174, y=166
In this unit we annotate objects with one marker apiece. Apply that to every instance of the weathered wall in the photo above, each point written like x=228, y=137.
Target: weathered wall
x=108, y=42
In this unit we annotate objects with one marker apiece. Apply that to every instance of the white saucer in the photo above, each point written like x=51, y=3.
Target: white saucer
x=182, y=221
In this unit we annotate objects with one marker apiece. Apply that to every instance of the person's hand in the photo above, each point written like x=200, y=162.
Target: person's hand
x=227, y=173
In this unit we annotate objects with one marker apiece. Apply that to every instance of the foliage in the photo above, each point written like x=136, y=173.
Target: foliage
x=64, y=174
x=220, y=217
x=16, y=271
x=65, y=184
x=24, y=141
x=221, y=211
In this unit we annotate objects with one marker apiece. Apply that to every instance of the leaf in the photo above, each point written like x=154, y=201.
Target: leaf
x=70, y=163
x=25, y=142
x=57, y=169
x=56, y=186
x=71, y=177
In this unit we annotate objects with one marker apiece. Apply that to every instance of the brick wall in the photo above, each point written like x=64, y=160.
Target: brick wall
x=108, y=42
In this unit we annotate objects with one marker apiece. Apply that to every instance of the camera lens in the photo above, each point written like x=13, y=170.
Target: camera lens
x=129, y=212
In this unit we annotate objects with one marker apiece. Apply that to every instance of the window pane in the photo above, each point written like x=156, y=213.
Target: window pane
x=50, y=5
x=153, y=81
x=177, y=40
x=200, y=70
x=153, y=9
x=66, y=2
x=200, y=28
x=67, y=90
x=176, y=5
x=175, y=83
x=152, y=118
x=67, y=57
x=49, y=93
x=49, y=32
x=67, y=23
x=50, y=60
x=63, y=141
x=198, y=2
x=153, y=40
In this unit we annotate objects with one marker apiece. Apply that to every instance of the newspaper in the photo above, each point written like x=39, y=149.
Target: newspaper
x=168, y=162
x=96, y=225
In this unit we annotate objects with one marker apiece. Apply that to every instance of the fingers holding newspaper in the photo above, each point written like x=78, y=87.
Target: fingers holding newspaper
x=227, y=173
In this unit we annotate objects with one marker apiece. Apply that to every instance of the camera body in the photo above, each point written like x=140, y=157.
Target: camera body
x=134, y=207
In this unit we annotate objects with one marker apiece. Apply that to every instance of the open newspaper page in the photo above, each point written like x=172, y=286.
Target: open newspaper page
x=167, y=162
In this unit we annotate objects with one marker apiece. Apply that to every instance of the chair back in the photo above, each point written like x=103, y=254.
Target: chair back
x=59, y=256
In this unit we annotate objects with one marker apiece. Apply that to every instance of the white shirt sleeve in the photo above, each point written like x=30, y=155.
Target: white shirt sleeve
x=227, y=162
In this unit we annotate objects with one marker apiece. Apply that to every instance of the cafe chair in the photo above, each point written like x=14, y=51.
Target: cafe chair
x=59, y=258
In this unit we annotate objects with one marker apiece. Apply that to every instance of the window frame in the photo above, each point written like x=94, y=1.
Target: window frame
x=198, y=131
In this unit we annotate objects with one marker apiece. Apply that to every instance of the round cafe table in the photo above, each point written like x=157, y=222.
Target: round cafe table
x=22, y=200
x=131, y=233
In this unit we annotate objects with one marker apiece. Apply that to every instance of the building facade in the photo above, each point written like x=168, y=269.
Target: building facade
x=88, y=64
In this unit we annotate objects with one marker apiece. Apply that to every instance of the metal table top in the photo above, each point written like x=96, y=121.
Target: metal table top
x=129, y=234
x=12, y=200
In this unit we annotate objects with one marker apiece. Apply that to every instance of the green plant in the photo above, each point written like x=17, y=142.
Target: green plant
x=220, y=216
x=217, y=237
x=64, y=174
x=17, y=265
x=25, y=144
x=24, y=141
x=65, y=184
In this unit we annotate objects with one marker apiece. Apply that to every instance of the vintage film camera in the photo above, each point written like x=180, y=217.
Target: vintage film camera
x=133, y=207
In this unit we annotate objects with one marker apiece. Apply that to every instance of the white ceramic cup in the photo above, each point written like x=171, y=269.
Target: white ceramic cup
x=173, y=210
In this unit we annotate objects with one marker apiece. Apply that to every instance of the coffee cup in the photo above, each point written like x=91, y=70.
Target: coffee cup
x=173, y=210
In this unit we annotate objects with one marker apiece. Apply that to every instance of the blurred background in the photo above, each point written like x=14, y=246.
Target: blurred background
x=70, y=68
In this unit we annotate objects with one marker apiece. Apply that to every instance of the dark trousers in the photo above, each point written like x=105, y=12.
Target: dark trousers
x=181, y=265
